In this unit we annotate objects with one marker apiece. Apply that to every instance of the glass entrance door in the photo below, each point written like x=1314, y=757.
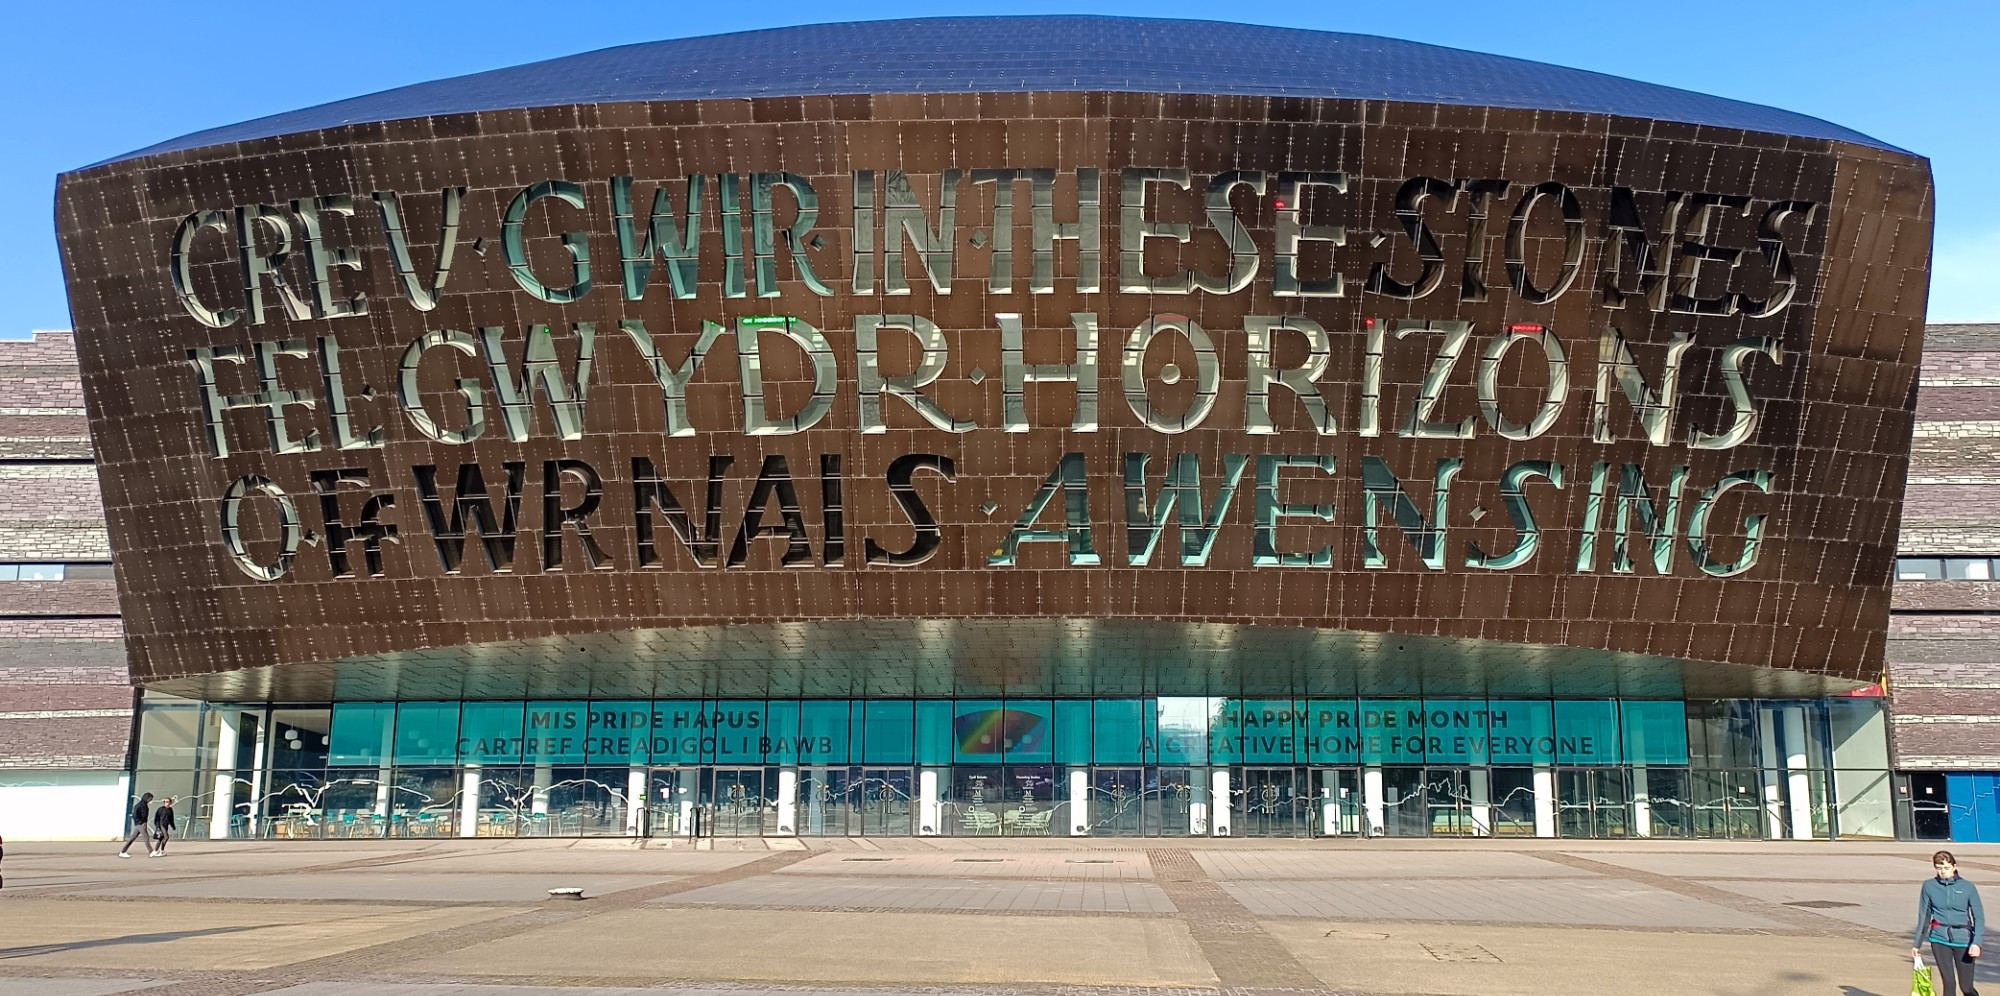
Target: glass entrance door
x=1448, y=799
x=1593, y=802
x=882, y=797
x=1668, y=813
x=739, y=802
x=827, y=802
x=1404, y=813
x=1728, y=804
x=671, y=797
x=1339, y=802
x=1168, y=808
x=1268, y=803
x=1512, y=791
x=1116, y=800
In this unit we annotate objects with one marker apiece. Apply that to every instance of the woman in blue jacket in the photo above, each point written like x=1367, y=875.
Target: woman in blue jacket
x=1950, y=917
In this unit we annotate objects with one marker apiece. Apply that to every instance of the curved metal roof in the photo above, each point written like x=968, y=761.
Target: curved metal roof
x=1017, y=54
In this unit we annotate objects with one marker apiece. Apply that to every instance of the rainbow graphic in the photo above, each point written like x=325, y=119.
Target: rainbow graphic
x=992, y=731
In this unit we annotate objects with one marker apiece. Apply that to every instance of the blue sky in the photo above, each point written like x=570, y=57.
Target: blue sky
x=88, y=82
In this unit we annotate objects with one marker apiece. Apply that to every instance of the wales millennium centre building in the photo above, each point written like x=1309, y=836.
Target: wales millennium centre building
x=1008, y=426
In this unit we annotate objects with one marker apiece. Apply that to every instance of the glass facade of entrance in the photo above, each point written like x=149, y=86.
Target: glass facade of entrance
x=1138, y=767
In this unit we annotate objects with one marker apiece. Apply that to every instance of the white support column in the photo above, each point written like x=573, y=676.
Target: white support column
x=259, y=787
x=469, y=785
x=1079, y=802
x=1797, y=773
x=1545, y=801
x=1371, y=802
x=538, y=801
x=382, y=794
x=930, y=811
x=222, y=792
x=788, y=802
x=635, y=801
x=1767, y=775
x=1218, y=792
x=1480, y=785
x=1642, y=803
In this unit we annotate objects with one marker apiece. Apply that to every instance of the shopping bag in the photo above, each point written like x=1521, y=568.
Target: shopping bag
x=1920, y=979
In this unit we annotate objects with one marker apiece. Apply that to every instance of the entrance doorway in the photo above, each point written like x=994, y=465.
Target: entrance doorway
x=1404, y=812
x=1448, y=799
x=1117, y=798
x=827, y=802
x=883, y=797
x=740, y=803
x=1512, y=792
x=1268, y=803
x=1339, y=802
x=1728, y=804
x=1593, y=802
x=1170, y=799
x=671, y=797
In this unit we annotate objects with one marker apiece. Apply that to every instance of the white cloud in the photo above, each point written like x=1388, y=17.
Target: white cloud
x=1965, y=279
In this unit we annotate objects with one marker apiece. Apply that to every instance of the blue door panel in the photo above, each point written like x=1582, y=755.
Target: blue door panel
x=1958, y=793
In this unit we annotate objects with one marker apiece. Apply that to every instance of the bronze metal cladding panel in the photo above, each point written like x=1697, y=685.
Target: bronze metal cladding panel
x=1356, y=344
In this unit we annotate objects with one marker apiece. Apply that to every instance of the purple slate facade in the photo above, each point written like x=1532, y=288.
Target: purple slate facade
x=65, y=695
x=1944, y=637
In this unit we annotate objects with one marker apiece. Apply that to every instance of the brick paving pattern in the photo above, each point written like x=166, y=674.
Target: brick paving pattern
x=934, y=894
x=451, y=918
x=1237, y=946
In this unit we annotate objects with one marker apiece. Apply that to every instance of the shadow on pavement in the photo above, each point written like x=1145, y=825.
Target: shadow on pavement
x=159, y=938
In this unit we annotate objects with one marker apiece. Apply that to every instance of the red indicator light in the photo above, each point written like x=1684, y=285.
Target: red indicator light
x=1281, y=204
x=1525, y=327
x=1368, y=323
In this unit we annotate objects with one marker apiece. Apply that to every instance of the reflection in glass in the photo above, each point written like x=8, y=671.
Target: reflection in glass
x=1004, y=767
x=1512, y=791
x=1403, y=806
x=1667, y=803
x=741, y=802
x=583, y=802
x=1448, y=797
x=1267, y=802
x=827, y=800
x=167, y=738
x=1728, y=804
x=883, y=796
x=423, y=802
x=1117, y=797
x=1592, y=802
x=671, y=797
x=1168, y=809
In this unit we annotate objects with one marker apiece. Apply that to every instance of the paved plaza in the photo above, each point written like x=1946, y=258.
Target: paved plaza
x=965, y=917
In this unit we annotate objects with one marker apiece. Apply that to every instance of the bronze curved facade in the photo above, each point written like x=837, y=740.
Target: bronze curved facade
x=803, y=389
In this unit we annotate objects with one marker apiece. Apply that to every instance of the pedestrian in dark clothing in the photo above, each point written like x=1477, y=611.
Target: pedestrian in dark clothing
x=163, y=827
x=1950, y=918
x=142, y=815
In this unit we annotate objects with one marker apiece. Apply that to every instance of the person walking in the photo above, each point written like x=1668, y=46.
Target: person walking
x=142, y=816
x=163, y=827
x=1950, y=918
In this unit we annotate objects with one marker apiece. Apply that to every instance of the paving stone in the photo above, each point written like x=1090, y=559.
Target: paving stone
x=1363, y=861
x=886, y=892
x=1066, y=864
x=393, y=885
x=1884, y=906
x=80, y=987
x=1595, y=902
